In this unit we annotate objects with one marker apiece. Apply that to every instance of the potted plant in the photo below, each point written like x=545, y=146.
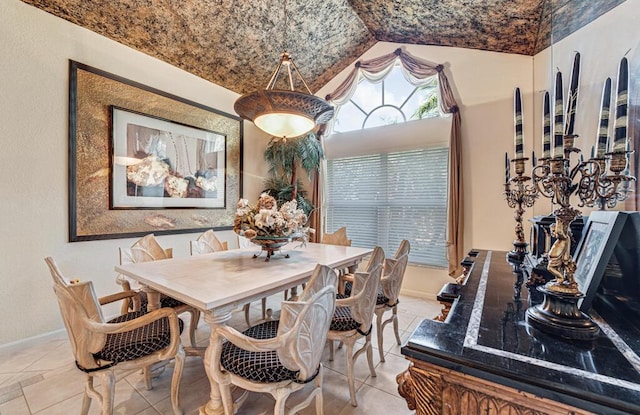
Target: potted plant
x=285, y=156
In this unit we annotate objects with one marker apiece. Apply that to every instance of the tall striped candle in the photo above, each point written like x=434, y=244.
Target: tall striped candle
x=558, y=130
x=572, y=99
x=603, y=132
x=546, y=127
x=622, y=103
x=507, y=172
x=518, y=137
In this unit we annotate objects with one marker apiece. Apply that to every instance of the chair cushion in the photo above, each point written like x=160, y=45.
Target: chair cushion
x=140, y=342
x=381, y=299
x=262, y=367
x=342, y=320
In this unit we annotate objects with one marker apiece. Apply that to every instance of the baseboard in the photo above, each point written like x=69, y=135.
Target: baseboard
x=38, y=337
x=419, y=294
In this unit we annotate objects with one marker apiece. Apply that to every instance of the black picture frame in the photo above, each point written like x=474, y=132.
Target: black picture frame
x=593, y=253
x=92, y=95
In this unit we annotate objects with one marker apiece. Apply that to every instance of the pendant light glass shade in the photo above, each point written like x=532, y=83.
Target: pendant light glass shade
x=284, y=113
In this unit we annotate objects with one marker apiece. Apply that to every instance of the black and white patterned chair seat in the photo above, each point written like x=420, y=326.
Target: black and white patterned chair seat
x=262, y=367
x=381, y=297
x=140, y=342
x=165, y=301
x=342, y=320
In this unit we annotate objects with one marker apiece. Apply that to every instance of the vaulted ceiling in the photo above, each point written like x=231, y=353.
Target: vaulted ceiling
x=237, y=43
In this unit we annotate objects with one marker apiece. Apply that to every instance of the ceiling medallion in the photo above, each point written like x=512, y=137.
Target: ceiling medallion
x=284, y=113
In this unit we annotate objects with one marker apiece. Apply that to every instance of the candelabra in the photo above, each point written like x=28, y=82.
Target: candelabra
x=518, y=197
x=555, y=179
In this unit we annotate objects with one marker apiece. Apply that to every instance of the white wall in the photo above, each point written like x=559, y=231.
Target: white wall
x=35, y=49
x=601, y=44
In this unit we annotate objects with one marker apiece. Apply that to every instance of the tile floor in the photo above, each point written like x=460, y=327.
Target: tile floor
x=38, y=377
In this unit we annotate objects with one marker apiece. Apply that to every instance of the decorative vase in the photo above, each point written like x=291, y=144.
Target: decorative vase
x=271, y=244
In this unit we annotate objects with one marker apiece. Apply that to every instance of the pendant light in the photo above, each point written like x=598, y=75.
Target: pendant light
x=284, y=113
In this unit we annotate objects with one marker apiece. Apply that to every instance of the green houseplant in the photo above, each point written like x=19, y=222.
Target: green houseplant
x=285, y=156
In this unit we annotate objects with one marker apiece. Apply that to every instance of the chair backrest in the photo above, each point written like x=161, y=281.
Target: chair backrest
x=394, y=269
x=207, y=243
x=145, y=249
x=78, y=303
x=305, y=325
x=367, y=283
x=244, y=242
x=339, y=237
x=323, y=276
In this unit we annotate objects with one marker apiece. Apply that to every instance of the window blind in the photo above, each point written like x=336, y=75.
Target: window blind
x=385, y=198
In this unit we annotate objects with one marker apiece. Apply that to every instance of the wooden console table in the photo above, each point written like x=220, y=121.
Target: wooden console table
x=485, y=359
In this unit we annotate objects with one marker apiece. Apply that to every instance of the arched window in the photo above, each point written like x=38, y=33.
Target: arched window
x=391, y=101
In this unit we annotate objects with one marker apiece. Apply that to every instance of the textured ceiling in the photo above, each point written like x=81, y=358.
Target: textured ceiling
x=237, y=43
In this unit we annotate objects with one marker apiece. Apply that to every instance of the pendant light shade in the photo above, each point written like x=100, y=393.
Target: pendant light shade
x=284, y=113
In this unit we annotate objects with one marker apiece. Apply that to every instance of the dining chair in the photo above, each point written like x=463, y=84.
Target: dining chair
x=134, y=340
x=148, y=249
x=353, y=317
x=280, y=356
x=207, y=243
x=339, y=237
x=388, y=292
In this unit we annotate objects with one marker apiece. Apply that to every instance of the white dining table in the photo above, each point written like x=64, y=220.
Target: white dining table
x=218, y=283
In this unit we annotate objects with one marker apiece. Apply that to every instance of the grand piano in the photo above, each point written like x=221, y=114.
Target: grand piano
x=484, y=358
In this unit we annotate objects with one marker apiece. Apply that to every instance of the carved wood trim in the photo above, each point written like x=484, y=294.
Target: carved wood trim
x=432, y=390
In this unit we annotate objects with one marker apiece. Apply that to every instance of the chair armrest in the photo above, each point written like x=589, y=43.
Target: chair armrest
x=249, y=343
x=116, y=297
x=113, y=328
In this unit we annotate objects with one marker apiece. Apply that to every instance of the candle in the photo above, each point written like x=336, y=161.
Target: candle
x=518, y=137
x=622, y=102
x=507, y=173
x=546, y=127
x=534, y=161
x=572, y=99
x=558, y=150
x=603, y=133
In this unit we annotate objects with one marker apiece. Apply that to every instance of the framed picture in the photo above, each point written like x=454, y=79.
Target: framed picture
x=594, y=251
x=145, y=161
x=158, y=163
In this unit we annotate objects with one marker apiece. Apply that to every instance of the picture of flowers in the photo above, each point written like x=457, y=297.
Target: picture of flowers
x=162, y=164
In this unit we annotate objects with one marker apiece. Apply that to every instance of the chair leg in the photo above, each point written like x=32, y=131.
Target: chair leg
x=281, y=396
x=146, y=373
x=319, y=399
x=227, y=399
x=380, y=331
x=372, y=369
x=350, y=375
x=395, y=324
x=330, y=350
x=264, y=308
x=108, y=381
x=175, y=381
x=86, y=399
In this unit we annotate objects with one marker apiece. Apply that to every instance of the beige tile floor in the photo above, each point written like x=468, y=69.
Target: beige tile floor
x=38, y=377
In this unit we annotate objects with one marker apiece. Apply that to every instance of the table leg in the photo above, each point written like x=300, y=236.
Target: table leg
x=214, y=406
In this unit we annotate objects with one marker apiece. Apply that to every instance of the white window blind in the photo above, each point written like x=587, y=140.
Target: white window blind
x=385, y=198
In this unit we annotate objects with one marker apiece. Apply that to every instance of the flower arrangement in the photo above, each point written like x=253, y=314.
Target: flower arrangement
x=267, y=220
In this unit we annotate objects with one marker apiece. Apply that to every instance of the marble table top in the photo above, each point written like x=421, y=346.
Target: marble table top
x=232, y=278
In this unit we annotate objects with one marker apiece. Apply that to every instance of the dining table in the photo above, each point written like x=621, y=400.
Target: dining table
x=220, y=282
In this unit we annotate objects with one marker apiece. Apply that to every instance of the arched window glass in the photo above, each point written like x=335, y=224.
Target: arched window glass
x=392, y=101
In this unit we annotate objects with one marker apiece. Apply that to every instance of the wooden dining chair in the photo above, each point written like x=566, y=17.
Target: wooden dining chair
x=207, y=243
x=280, y=357
x=353, y=318
x=388, y=292
x=148, y=249
x=134, y=340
